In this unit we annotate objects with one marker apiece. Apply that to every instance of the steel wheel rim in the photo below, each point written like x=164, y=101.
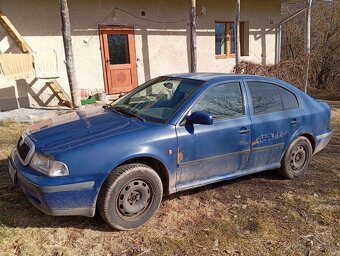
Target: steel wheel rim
x=134, y=198
x=298, y=158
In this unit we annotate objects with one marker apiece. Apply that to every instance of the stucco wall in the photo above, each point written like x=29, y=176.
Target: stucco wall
x=161, y=48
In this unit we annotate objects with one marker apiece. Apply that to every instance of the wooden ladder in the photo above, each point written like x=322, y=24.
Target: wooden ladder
x=57, y=90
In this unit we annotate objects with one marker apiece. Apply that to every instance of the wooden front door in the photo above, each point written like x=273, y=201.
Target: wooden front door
x=119, y=58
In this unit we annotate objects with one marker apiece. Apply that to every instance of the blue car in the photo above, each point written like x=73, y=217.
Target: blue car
x=170, y=134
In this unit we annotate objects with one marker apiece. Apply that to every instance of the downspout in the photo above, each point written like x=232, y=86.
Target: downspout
x=279, y=32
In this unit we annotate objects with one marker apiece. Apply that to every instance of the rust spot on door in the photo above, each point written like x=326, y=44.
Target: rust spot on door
x=179, y=156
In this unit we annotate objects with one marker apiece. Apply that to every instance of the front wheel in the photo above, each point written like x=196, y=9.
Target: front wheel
x=130, y=196
x=297, y=158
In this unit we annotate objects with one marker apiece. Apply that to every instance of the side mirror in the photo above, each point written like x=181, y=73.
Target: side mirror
x=199, y=118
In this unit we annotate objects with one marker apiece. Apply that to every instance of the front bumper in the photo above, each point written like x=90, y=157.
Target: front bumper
x=57, y=200
x=322, y=141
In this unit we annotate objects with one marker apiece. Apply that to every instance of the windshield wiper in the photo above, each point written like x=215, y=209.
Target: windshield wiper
x=109, y=106
x=127, y=112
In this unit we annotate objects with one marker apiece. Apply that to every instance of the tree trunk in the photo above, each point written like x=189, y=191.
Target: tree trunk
x=71, y=72
x=308, y=27
x=193, y=48
x=237, y=35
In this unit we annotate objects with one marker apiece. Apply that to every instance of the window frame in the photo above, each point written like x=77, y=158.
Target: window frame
x=227, y=41
x=201, y=95
x=250, y=100
x=296, y=98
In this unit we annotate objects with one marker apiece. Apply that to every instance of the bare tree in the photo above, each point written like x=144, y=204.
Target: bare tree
x=325, y=42
x=70, y=67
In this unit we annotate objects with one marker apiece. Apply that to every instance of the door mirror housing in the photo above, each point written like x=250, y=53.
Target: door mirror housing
x=200, y=117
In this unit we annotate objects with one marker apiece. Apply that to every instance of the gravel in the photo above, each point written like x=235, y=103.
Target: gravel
x=30, y=114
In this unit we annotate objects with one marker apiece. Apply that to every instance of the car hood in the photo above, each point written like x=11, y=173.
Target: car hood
x=77, y=128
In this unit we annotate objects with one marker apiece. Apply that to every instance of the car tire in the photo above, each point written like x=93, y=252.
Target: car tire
x=130, y=196
x=296, y=160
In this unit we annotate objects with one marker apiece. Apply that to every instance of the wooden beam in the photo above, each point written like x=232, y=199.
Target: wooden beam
x=13, y=32
x=70, y=67
x=237, y=35
x=193, y=47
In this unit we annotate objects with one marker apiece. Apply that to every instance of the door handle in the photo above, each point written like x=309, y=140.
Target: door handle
x=243, y=130
x=294, y=121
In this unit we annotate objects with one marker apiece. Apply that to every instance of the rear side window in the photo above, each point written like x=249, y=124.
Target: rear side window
x=222, y=101
x=265, y=96
x=289, y=100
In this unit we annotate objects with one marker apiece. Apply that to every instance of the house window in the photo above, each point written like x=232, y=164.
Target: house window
x=225, y=39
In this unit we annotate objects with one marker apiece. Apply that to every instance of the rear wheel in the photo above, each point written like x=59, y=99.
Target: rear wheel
x=297, y=158
x=130, y=196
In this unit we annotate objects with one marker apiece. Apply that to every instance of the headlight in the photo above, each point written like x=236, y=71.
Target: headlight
x=48, y=166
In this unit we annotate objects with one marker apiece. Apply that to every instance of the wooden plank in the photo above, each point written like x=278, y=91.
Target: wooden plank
x=9, y=27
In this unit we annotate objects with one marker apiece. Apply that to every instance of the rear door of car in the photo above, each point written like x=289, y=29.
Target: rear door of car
x=208, y=153
x=276, y=117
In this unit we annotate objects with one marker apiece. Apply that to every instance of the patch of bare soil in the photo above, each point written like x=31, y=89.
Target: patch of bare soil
x=260, y=214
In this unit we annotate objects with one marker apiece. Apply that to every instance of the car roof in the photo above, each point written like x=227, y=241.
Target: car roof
x=211, y=76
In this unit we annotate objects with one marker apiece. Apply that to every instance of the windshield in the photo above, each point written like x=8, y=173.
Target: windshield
x=156, y=100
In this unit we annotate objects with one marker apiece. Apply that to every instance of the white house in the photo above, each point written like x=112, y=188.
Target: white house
x=120, y=44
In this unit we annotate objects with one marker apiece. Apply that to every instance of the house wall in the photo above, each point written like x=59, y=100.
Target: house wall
x=161, y=48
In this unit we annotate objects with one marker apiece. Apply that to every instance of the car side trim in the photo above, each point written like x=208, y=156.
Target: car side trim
x=231, y=154
x=267, y=147
x=214, y=157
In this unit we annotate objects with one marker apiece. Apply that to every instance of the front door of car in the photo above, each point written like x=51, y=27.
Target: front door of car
x=276, y=117
x=208, y=153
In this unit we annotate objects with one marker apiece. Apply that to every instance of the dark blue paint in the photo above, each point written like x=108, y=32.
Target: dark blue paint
x=94, y=144
x=200, y=118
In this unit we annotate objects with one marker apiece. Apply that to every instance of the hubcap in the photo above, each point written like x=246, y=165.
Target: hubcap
x=134, y=198
x=298, y=158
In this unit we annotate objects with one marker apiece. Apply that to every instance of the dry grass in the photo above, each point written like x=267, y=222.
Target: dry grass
x=261, y=214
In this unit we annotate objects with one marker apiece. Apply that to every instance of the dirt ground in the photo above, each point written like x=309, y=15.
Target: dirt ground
x=261, y=214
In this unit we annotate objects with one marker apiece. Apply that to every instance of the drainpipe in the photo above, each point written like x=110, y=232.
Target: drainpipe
x=279, y=31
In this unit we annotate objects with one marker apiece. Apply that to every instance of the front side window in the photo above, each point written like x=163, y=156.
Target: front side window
x=222, y=101
x=157, y=100
x=265, y=97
